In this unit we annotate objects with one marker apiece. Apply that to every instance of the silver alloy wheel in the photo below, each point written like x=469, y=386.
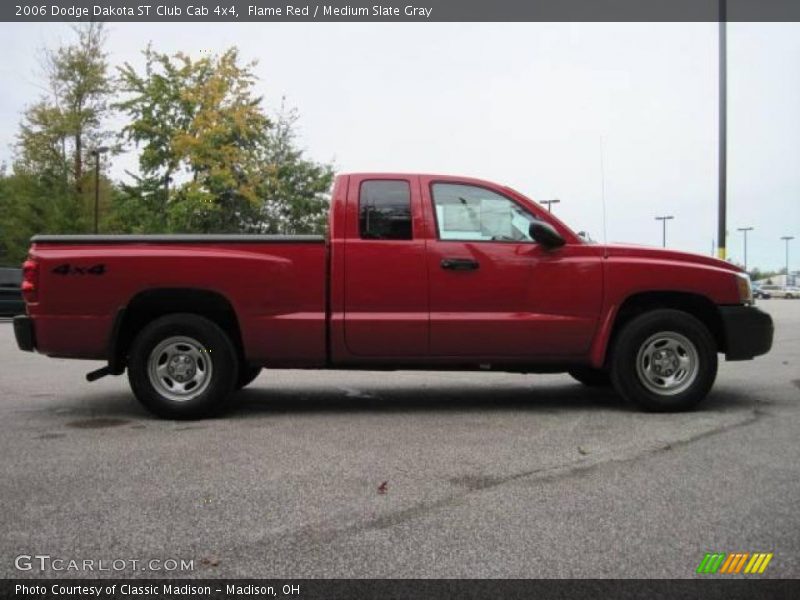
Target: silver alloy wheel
x=179, y=368
x=667, y=363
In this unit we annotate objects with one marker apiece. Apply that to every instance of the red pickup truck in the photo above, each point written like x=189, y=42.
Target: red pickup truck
x=417, y=272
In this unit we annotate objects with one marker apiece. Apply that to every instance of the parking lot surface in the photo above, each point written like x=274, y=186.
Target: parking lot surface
x=407, y=474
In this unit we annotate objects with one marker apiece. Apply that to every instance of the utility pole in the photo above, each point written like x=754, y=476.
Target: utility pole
x=744, y=230
x=96, y=153
x=787, y=239
x=664, y=220
x=723, y=130
x=549, y=202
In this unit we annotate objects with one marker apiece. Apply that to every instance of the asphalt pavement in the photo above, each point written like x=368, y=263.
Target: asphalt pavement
x=407, y=474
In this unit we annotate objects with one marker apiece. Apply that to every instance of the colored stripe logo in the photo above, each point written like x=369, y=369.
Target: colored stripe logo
x=734, y=563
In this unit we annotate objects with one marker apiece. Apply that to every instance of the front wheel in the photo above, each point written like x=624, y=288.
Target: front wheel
x=182, y=366
x=664, y=360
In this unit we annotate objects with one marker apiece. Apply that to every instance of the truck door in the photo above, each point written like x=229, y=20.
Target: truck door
x=386, y=279
x=494, y=292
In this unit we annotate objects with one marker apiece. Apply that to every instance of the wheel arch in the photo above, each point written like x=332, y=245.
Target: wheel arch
x=697, y=305
x=151, y=304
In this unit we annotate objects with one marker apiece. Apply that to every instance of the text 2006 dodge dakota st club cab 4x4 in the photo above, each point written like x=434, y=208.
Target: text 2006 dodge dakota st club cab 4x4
x=417, y=272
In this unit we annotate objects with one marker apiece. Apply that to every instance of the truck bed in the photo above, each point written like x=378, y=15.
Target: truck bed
x=275, y=285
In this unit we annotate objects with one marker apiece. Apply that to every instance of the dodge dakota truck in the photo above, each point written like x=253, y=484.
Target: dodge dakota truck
x=416, y=272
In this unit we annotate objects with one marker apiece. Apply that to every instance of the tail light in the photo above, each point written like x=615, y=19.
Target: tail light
x=30, y=280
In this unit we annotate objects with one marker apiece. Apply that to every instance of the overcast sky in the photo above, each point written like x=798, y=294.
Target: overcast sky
x=520, y=104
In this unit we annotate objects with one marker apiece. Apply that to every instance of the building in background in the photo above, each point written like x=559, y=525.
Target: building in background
x=793, y=279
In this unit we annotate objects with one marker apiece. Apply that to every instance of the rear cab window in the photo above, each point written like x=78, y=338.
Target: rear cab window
x=384, y=210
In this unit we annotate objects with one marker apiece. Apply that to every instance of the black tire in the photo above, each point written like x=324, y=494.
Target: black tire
x=247, y=374
x=591, y=377
x=191, y=346
x=652, y=351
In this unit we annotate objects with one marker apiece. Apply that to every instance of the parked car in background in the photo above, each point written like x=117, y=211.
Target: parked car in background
x=760, y=293
x=11, y=302
x=791, y=291
x=781, y=291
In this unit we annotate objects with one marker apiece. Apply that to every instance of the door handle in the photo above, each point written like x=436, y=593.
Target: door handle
x=460, y=264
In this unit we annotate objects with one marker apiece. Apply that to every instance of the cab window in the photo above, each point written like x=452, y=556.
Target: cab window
x=384, y=210
x=472, y=213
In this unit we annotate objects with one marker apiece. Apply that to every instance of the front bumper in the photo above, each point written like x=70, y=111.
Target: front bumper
x=23, y=331
x=748, y=332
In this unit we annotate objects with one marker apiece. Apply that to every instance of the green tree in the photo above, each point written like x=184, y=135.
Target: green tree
x=59, y=131
x=46, y=190
x=293, y=195
x=139, y=207
x=199, y=118
x=201, y=123
x=30, y=205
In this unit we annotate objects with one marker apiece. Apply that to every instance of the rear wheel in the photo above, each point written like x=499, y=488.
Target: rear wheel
x=591, y=377
x=664, y=360
x=182, y=366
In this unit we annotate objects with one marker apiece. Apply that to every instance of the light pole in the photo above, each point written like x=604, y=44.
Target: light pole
x=96, y=153
x=744, y=230
x=664, y=220
x=787, y=238
x=549, y=202
x=723, y=131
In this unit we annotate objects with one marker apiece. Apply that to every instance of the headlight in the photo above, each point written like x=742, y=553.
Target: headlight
x=745, y=289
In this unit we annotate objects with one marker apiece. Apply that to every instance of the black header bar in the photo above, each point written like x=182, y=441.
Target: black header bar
x=396, y=11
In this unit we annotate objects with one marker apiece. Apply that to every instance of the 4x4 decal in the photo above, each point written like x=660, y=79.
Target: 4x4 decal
x=68, y=269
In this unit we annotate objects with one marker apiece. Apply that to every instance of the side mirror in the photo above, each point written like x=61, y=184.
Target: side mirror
x=545, y=234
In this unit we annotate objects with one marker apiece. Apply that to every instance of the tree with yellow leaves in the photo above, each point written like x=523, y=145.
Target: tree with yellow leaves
x=199, y=123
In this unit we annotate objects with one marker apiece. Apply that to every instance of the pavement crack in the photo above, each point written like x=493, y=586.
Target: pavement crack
x=478, y=483
x=473, y=483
